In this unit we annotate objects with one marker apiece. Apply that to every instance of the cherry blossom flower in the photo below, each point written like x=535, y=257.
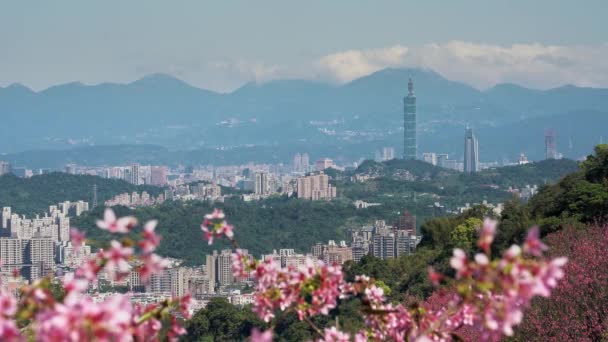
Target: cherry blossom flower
x=150, y=240
x=334, y=335
x=261, y=336
x=215, y=215
x=184, y=306
x=459, y=262
x=71, y=284
x=374, y=294
x=486, y=235
x=117, y=258
x=82, y=319
x=435, y=277
x=214, y=225
x=77, y=237
x=533, y=245
x=151, y=264
x=490, y=295
x=114, y=225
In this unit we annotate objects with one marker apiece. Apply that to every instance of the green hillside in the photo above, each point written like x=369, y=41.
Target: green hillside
x=33, y=195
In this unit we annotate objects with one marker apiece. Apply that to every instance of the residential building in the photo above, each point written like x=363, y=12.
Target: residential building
x=5, y=168
x=315, y=187
x=323, y=164
x=262, y=183
x=332, y=253
x=431, y=157
x=471, y=152
x=158, y=175
x=388, y=153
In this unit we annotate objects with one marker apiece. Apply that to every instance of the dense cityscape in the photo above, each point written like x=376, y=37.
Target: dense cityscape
x=340, y=171
x=40, y=246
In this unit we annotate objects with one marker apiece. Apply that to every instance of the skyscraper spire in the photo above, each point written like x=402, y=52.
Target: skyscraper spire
x=410, y=87
x=409, y=123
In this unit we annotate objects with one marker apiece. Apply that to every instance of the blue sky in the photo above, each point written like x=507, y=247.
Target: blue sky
x=222, y=44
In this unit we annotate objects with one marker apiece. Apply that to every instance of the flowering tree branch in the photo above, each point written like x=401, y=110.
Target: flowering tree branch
x=490, y=295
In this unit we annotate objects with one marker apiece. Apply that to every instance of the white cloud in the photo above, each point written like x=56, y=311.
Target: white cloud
x=481, y=65
x=348, y=65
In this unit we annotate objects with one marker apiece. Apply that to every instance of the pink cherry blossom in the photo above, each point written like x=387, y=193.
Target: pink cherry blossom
x=533, y=245
x=114, y=225
x=82, y=319
x=150, y=240
x=334, y=335
x=217, y=214
x=486, y=236
x=184, y=306
x=374, y=294
x=459, y=261
x=261, y=336
x=77, y=237
x=71, y=284
x=239, y=264
x=208, y=234
x=215, y=225
x=225, y=229
x=489, y=295
x=151, y=264
x=435, y=277
x=117, y=258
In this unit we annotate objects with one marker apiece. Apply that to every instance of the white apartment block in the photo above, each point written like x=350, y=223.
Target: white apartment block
x=315, y=187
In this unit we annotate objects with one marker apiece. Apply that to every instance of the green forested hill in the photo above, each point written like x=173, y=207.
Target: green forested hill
x=281, y=222
x=539, y=173
x=546, y=171
x=260, y=226
x=434, y=184
x=34, y=195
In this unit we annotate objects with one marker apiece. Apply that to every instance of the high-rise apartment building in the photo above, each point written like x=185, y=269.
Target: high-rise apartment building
x=158, y=175
x=305, y=162
x=393, y=244
x=262, y=183
x=550, y=144
x=33, y=257
x=471, y=152
x=315, y=187
x=323, y=164
x=159, y=282
x=406, y=222
x=442, y=159
x=6, y=216
x=41, y=256
x=70, y=255
x=134, y=174
x=70, y=169
x=430, y=158
x=5, y=167
x=332, y=253
x=12, y=252
x=409, y=123
x=218, y=268
x=297, y=162
x=387, y=153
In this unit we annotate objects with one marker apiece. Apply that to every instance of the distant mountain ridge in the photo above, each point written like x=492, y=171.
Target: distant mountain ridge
x=163, y=110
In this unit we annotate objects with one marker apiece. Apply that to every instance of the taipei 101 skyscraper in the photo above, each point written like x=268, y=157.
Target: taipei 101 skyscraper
x=409, y=123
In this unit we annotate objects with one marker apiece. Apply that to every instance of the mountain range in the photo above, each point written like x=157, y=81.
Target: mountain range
x=347, y=122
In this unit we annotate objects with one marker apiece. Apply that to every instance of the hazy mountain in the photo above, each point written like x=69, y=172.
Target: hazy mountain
x=162, y=110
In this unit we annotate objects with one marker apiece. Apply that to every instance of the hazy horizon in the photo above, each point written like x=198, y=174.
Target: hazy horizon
x=221, y=46
x=262, y=82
